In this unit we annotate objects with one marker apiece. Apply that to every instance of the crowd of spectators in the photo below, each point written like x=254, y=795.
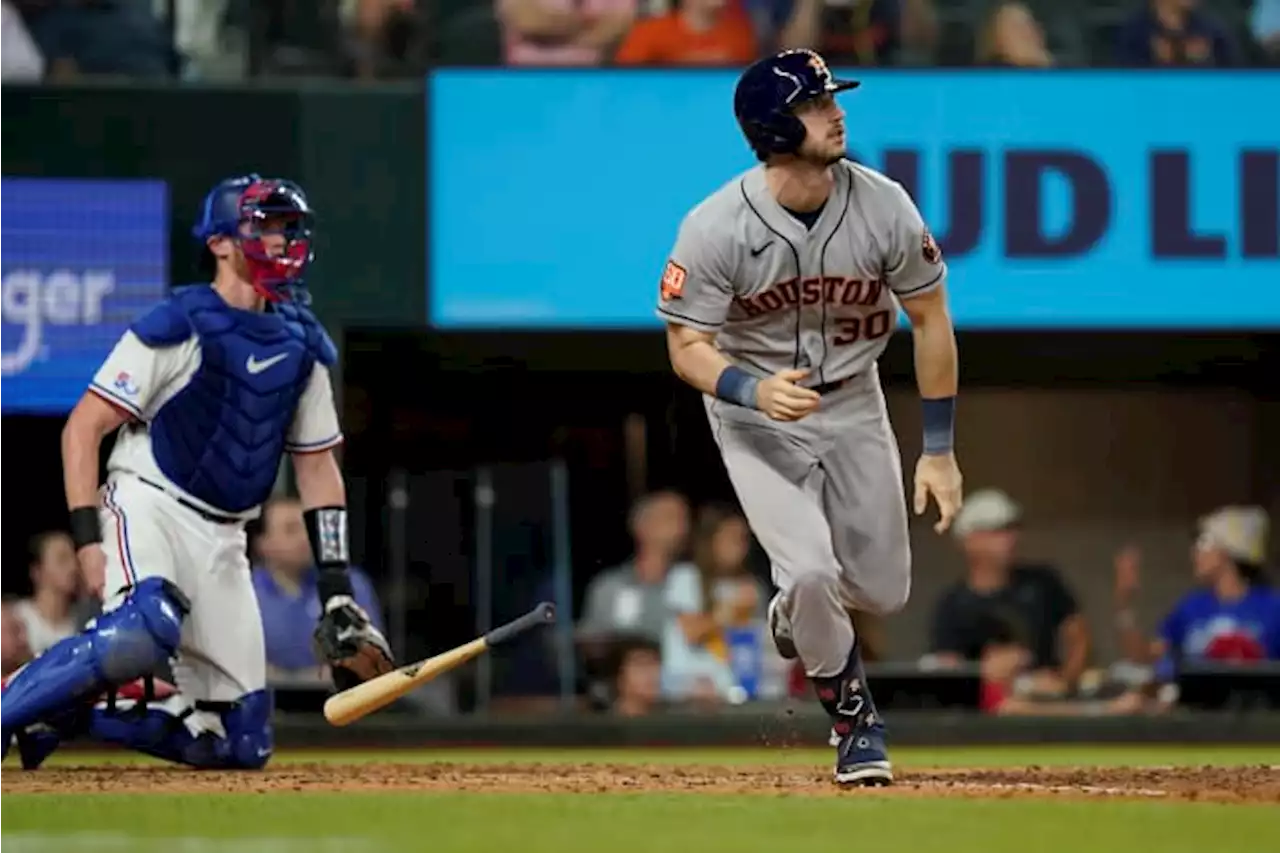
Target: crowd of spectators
x=674, y=607
x=371, y=39
x=681, y=621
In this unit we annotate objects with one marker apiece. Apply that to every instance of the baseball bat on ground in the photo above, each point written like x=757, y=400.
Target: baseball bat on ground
x=367, y=697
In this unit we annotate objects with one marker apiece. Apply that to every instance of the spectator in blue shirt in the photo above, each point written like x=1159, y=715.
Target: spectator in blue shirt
x=1232, y=617
x=284, y=578
x=1173, y=33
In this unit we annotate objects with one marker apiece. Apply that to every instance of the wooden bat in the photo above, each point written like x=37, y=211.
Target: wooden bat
x=367, y=697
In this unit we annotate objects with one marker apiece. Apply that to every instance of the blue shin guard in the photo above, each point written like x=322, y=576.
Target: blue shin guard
x=247, y=743
x=125, y=644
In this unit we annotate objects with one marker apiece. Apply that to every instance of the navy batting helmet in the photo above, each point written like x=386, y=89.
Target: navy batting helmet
x=266, y=206
x=771, y=89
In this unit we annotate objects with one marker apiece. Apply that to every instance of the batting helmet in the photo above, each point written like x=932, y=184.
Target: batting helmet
x=771, y=89
x=266, y=206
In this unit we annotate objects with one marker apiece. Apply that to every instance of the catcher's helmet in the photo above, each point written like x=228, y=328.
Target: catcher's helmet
x=770, y=89
x=267, y=206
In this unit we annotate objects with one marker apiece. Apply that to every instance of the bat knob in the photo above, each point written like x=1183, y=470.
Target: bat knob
x=546, y=612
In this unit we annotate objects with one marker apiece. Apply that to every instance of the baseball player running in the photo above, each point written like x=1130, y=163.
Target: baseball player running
x=779, y=297
x=207, y=391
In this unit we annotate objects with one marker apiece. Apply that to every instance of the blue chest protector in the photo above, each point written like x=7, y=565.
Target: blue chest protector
x=222, y=436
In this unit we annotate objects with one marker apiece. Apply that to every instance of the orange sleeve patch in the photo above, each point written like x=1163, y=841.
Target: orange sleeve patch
x=673, y=281
x=932, y=253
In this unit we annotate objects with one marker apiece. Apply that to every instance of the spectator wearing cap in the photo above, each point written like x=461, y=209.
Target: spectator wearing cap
x=1003, y=605
x=1232, y=616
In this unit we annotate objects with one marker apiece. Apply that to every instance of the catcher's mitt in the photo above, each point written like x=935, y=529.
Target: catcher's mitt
x=347, y=640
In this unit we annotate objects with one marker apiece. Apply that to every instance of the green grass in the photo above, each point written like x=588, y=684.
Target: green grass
x=626, y=823
x=638, y=823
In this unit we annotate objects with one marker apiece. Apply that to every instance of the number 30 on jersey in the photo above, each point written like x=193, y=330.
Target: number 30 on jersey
x=850, y=330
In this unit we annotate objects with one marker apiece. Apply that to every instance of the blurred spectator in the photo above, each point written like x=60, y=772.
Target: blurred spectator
x=16, y=649
x=284, y=579
x=1003, y=604
x=1012, y=37
x=51, y=614
x=99, y=37
x=21, y=58
x=1232, y=616
x=784, y=24
x=1173, y=33
x=695, y=32
x=563, y=32
x=637, y=678
x=211, y=36
x=631, y=599
x=1265, y=25
x=849, y=32
x=388, y=37
x=718, y=610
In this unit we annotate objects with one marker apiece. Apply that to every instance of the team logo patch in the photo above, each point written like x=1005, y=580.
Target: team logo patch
x=929, y=248
x=819, y=65
x=673, y=281
x=125, y=385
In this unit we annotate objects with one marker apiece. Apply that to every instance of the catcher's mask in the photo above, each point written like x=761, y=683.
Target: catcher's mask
x=251, y=210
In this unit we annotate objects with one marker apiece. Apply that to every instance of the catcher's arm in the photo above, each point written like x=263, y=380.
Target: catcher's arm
x=346, y=637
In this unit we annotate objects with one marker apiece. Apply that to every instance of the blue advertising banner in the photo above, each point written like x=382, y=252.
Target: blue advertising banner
x=1066, y=199
x=81, y=260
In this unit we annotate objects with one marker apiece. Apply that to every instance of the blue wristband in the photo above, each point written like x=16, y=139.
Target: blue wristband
x=939, y=425
x=737, y=386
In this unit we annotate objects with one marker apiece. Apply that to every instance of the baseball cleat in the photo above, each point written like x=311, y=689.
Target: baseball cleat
x=780, y=628
x=861, y=758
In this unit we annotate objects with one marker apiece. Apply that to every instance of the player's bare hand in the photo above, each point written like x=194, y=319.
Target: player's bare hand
x=939, y=475
x=93, y=569
x=782, y=399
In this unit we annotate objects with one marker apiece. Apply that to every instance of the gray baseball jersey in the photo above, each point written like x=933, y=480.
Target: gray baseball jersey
x=780, y=295
x=824, y=495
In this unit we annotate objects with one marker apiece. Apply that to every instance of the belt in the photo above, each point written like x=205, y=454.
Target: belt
x=831, y=387
x=203, y=513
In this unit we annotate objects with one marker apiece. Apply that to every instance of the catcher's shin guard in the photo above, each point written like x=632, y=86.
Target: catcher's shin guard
x=120, y=646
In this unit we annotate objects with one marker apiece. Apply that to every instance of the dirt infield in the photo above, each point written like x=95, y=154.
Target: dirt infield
x=1245, y=784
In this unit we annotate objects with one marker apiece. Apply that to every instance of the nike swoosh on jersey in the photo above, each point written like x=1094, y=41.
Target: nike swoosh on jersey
x=254, y=366
x=755, y=253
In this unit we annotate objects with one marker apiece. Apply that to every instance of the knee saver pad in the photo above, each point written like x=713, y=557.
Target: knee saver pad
x=249, y=733
x=142, y=633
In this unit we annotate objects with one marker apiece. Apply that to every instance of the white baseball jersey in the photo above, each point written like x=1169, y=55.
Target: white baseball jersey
x=780, y=295
x=139, y=380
